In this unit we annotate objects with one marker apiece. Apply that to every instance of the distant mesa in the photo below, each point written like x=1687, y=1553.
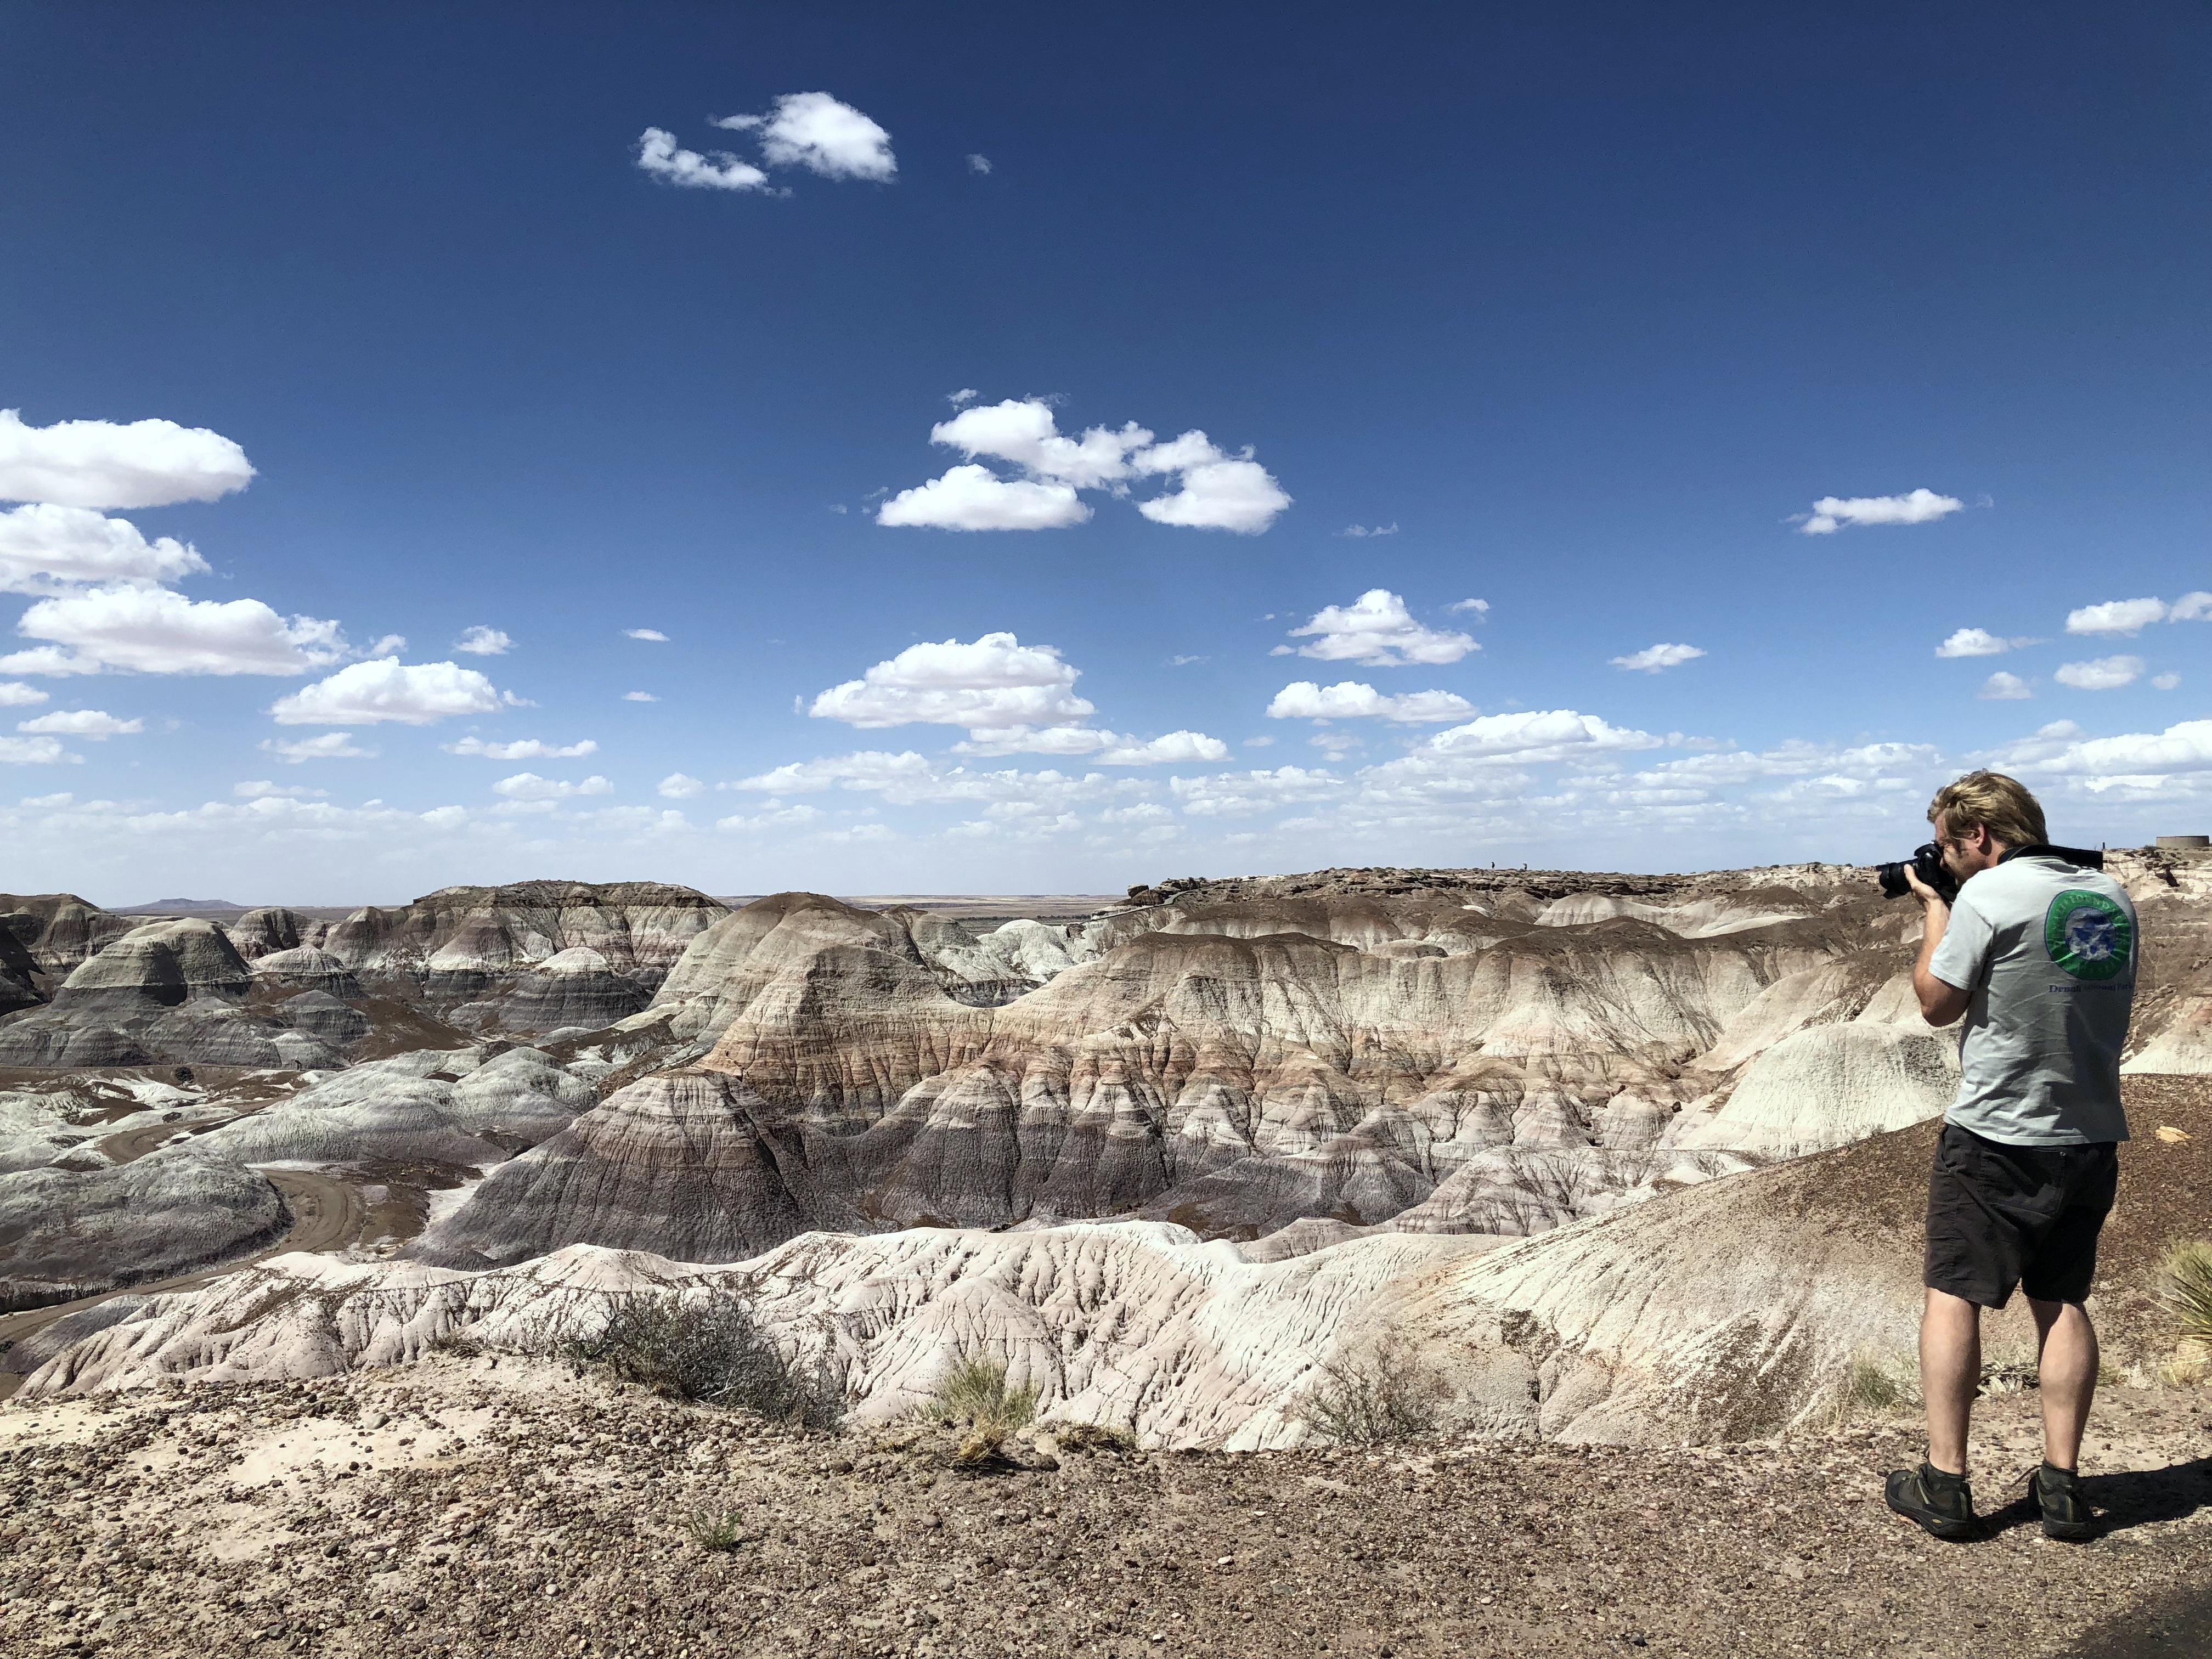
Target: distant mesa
x=179, y=907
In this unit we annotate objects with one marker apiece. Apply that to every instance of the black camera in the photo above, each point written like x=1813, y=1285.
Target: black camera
x=1927, y=862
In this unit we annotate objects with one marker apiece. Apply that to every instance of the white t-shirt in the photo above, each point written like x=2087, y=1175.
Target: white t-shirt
x=2048, y=951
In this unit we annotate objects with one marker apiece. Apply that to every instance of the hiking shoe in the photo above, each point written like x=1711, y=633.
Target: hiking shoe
x=2058, y=1493
x=1943, y=1504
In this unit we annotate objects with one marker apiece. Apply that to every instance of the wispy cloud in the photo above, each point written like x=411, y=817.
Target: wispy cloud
x=1978, y=642
x=1832, y=513
x=2128, y=617
x=2102, y=674
x=1655, y=658
x=482, y=641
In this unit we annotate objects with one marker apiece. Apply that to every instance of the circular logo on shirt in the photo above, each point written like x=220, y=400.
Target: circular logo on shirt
x=2087, y=934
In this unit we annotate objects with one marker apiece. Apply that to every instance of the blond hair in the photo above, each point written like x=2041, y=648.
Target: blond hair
x=1992, y=801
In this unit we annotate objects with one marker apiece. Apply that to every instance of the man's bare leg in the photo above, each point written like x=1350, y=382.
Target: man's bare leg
x=1950, y=1371
x=2067, y=1344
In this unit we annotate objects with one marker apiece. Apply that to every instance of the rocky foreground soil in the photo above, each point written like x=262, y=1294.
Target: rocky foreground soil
x=494, y=1506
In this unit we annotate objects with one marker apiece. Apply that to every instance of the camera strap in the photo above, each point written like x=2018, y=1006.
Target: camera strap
x=2083, y=858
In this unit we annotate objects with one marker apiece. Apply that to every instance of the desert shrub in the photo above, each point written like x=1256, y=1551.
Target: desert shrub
x=710, y=1350
x=2185, y=1288
x=716, y=1529
x=975, y=1399
x=1387, y=1395
x=974, y=1393
x=1092, y=1437
x=1868, y=1386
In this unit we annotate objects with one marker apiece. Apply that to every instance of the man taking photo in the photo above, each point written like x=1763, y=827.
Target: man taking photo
x=2039, y=955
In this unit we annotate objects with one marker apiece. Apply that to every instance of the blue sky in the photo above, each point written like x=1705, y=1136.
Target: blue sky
x=1586, y=311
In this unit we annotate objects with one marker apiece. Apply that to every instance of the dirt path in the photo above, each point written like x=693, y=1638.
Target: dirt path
x=327, y=1214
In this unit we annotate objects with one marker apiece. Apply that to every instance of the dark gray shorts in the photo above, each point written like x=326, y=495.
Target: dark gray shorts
x=2001, y=1216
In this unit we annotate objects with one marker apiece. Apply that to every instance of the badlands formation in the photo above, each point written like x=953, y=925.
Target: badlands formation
x=1616, y=1162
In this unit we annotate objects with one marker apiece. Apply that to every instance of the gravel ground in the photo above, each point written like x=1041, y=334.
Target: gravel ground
x=481, y=1506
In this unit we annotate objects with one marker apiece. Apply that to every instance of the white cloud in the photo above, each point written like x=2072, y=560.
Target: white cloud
x=479, y=641
x=960, y=399
x=2124, y=616
x=776, y=818
x=1480, y=607
x=94, y=723
x=995, y=681
x=651, y=634
x=812, y=129
x=388, y=645
x=528, y=786
x=368, y=692
x=1240, y=795
x=1024, y=431
x=1174, y=749
x=263, y=789
x=870, y=768
x=1351, y=700
x=105, y=463
x=2166, y=682
x=45, y=549
x=33, y=752
x=659, y=155
x=1231, y=493
x=2060, y=749
x=522, y=749
x=978, y=163
x=331, y=745
x=2102, y=674
x=1654, y=658
x=1977, y=642
x=1538, y=734
x=972, y=497
x=680, y=785
x=1377, y=630
x=1832, y=513
x=14, y=694
x=152, y=630
x=1363, y=531
x=2128, y=617
x=639, y=696
x=2001, y=687
x=1185, y=662
x=1214, y=490
x=1066, y=741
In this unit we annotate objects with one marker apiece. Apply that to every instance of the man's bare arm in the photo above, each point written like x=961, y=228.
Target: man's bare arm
x=1941, y=1001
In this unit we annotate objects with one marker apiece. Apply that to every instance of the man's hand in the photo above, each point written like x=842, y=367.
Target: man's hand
x=1941, y=1001
x=1925, y=893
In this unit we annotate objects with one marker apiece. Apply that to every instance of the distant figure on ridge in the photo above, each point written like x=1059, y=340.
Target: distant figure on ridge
x=2039, y=955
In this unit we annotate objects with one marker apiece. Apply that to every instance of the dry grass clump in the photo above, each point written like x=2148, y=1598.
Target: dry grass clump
x=2185, y=1289
x=710, y=1349
x=1091, y=1436
x=1870, y=1387
x=1388, y=1395
x=974, y=1397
